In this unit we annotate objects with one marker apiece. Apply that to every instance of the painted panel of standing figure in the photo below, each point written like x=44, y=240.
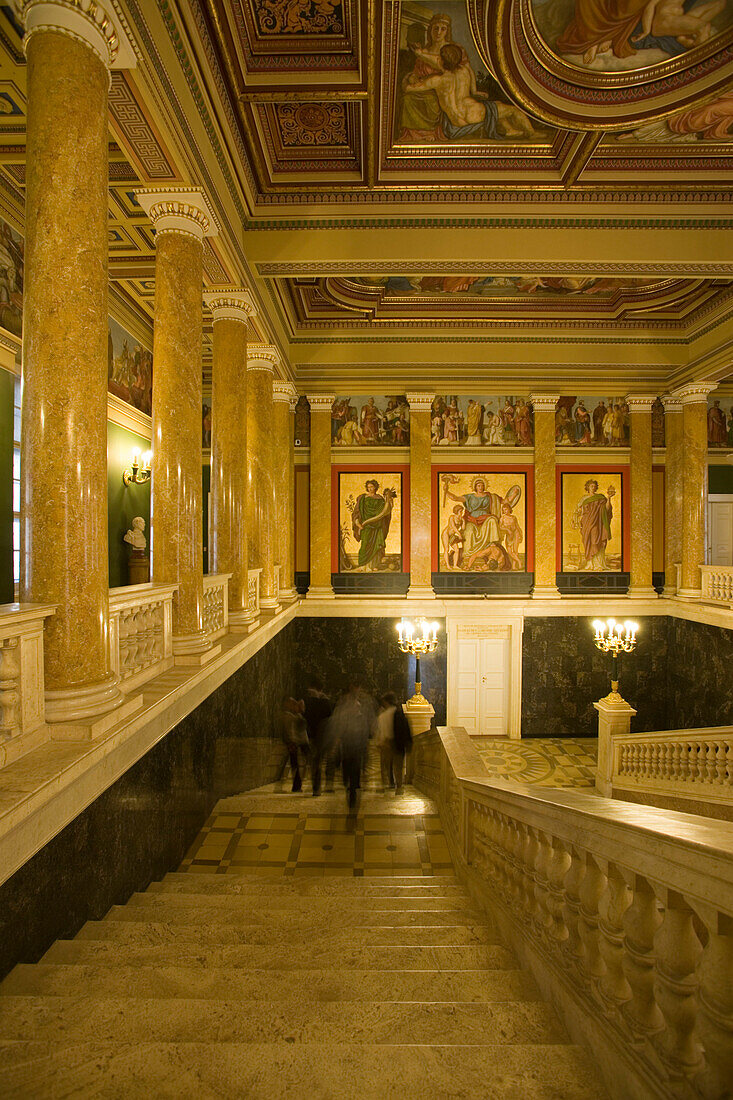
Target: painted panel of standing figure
x=592, y=422
x=481, y=421
x=720, y=422
x=482, y=521
x=592, y=519
x=370, y=522
x=370, y=422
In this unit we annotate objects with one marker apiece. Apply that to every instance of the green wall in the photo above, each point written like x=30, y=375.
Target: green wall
x=7, y=390
x=720, y=479
x=123, y=502
x=206, y=485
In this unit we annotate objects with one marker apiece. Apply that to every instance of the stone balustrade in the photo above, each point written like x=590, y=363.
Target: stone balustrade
x=141, y=631
x=694, y=763
x=624, y=913
x=216, y=604
x=22, y=711
x=253, y=593
x=717, y=583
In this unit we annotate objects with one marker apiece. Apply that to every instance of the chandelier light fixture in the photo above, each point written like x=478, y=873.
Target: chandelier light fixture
x=418, y=638
x=614, y=638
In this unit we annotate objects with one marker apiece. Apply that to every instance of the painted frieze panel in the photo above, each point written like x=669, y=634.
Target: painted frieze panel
x=658, y=436
x=206, y=423
x=371, y=510
x=129, y=368
x=282, y=17
x=481, y=520
x=720, y=421
x=593, y=517
x=592, y=422
x=370, y=421
x=458, y=420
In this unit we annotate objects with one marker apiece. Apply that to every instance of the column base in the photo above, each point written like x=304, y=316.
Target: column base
x=287, y=595
x=194, y=649
x=420, y=592
x=320, y=592
x=86, y=701
x=93, y=728
x=545, y=592
x=269, y=603
x=640, y=592
x=242, y=622
x=689, y=593
x=669, y=590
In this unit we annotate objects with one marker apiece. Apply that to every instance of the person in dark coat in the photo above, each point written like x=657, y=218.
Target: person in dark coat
x=352, y=720
x=317, y=711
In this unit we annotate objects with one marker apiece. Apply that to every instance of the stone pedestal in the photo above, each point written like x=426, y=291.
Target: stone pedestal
x=284, y=396
x=320, y=497
x=545, y=521
x=640, y=512
x=181, y=218
x=614, y=720
x=421, y=584
x=261, y=538
x=694, y=400
x=672, y=492
x=138, y=567
x=419, y=713
x=231, y=309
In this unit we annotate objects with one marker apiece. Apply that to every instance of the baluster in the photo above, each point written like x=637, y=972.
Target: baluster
x=678, y=952
x=710, y=769
x=721, y=772
x=641, y=921
x=729, y=763
x=574, y=946
x=615, y=900
x=591, y=891
x=715, y=1009
x=558, y=865
x=9, y=688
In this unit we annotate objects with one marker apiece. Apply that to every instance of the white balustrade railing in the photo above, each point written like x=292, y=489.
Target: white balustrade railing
x=694, y=763
x=623, y=912
x=22, y=709
x=141, y=631
x=253, y=592
x=717, y=583
x=216, y=604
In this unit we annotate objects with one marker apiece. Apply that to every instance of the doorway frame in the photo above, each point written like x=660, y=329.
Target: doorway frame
x=491, y=624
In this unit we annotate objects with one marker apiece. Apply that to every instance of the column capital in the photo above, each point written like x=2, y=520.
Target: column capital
x=640, y=402
x=98, y=26
x=284, y=391
x=695, y=393
x=179, y=210
x=420, y=402
x=263, y=357
x=320, y=401
x=672, y=403
x=230, y=303
x=544, y=402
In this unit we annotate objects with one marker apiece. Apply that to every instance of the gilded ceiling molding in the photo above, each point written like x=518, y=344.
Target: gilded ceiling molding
x=183, y=210
x=695, y=393
x=263, y=357
x=285, y=391
x=230, y=304
x=420, y=402
x=478, y=222
x=96, y=25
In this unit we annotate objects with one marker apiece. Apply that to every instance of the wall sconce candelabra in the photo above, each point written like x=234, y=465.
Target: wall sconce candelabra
x=139, y=472
x=612, y=637
x=418, y=638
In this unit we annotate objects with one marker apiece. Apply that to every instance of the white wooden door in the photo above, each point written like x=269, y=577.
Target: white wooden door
x=721, y=533
x=483, y=676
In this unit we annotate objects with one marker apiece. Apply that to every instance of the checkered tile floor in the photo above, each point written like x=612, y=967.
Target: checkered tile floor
x=545, y=761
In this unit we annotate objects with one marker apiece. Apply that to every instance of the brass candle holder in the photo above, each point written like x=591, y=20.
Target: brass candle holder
x=418, y=638
x=614, y=638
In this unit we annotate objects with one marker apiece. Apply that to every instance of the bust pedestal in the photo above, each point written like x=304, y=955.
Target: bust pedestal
x=138, y=567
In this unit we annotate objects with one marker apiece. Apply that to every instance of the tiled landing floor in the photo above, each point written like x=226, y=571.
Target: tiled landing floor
x=545, y=761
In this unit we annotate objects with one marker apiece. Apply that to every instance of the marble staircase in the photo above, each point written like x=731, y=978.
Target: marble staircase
x=266, y=986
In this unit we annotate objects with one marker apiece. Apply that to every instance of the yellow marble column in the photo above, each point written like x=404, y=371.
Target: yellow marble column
x=262, y=536
x=64, y=553
x=640, y=509
x=284, y=396
x=545, y=514
x=421, y=580
x=231, y=309
x=694, y=398
x=672, y=492
x=182, y=218
x=320, y=496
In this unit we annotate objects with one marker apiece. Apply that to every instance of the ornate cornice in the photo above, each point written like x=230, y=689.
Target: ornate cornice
x=544, y=402
x=640, y=402
x=695, y=393
x=672, y=403
x=321, y=402
x=230, y=304
x=183, y=210
x=263, y=357
x=420, y=402
x=285, y=391
x=96, y=25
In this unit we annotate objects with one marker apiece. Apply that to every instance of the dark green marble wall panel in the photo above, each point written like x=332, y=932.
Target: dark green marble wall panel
x=563, y=674
x=142, y=826
x=339, y=649
x=700, y=675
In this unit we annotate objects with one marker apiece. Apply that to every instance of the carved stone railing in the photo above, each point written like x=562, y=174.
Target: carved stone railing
x=253, y=593
x=717, y=583
x=141, y=632
x=695, y=764
x=216, y=604
x=22, y=711
x=624, y=914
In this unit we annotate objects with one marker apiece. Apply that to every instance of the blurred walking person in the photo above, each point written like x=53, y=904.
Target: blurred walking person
x=294, y=735
x=394, y=740
x=317, y=711
x=352, y=722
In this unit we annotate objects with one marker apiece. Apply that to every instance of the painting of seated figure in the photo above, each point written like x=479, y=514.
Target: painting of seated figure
x=482, y=524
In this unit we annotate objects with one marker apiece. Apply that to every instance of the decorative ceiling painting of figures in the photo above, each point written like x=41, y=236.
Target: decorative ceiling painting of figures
x=443, y=91
x=623, y=35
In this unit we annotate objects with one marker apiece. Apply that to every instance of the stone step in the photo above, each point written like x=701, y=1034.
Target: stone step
x=301, y=903
x=301, y=956
x=233, y=877
x=218, y=932
x=295, y=920
x=276, y=1071
x=315, y=886
x=178, y=981
x=69, y=1020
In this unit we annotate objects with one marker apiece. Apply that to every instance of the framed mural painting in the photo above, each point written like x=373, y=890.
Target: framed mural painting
x=370, y=537
x=483, y=528
x=593, y=531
